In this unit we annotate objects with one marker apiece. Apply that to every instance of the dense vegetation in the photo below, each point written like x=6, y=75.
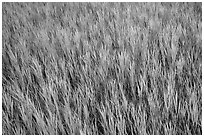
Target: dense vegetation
x=102, y=68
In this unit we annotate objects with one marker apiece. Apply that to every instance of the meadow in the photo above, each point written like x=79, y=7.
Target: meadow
x=101, y=68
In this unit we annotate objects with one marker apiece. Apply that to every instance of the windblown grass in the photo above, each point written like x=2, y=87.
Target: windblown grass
x=102, y=68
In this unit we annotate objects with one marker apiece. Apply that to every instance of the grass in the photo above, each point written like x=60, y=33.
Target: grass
x=101, y=68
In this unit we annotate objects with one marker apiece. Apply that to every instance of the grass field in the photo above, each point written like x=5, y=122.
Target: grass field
x=101, y=68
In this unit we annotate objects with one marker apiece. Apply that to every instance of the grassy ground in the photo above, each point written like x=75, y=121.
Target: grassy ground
x=102, y=68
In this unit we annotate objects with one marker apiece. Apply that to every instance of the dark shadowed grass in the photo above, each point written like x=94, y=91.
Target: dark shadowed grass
x=102, y=68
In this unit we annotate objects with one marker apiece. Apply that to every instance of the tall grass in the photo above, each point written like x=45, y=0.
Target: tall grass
x=102, y=68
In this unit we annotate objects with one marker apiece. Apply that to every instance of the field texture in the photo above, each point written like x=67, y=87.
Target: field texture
x=101, y=68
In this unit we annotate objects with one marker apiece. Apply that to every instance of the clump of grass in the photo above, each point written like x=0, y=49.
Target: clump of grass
x=101, y=68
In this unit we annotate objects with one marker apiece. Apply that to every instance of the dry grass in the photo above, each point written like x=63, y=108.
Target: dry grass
x=102, y=68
